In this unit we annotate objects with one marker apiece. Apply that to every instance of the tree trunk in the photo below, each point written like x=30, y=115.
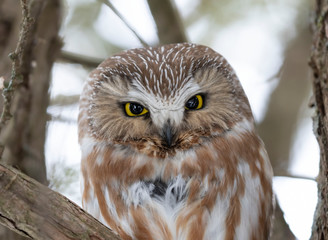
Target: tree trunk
x=319, y=65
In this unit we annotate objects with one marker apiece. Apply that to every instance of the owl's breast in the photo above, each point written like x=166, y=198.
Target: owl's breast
x=219, y=190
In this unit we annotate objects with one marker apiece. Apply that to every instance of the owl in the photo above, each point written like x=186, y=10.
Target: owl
x=169, y=149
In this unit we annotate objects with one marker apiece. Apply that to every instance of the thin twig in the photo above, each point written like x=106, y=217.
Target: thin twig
x=111, y=6
x=18, y=67
x=79, y=59
x=64, y=100
x=62, y=119
x=289, y=175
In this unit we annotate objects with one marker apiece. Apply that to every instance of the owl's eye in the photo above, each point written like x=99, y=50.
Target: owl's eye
x=134, y=109
x=194, y=103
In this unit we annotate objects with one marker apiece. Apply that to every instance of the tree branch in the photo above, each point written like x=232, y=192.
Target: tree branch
x=111, y=6
x=33, y=210
x=295, y=176
x=20, y=68
x=64, y=100
x=168, y=21
x=79, y=59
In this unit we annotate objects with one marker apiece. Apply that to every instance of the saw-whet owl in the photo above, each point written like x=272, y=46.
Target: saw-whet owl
x=169, y=149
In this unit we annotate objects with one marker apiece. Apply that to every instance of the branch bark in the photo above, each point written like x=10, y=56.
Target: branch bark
x=319, y=65
x=34, y=211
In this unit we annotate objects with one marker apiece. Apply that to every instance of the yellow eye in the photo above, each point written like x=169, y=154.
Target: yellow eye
x=134, y=109
x=194, y=103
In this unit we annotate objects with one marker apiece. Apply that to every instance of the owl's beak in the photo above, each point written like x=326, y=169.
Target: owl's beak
x=168, y=134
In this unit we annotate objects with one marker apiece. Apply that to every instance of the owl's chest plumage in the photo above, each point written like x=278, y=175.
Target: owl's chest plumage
x=217, y=191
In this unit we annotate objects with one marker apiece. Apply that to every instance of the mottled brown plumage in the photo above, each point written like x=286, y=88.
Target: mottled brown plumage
x=189, y=164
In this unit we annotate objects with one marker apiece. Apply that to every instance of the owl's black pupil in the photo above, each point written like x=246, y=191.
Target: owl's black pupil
x=136, y=108
x=192, y=103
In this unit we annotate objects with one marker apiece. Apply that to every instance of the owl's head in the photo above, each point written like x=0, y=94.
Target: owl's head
x=158, y=101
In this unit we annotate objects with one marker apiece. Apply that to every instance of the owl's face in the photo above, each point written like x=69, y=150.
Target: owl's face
x=158, y=101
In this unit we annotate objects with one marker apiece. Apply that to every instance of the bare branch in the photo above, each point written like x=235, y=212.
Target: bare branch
x=79, y=59
x=33, y=210
x=20, y=67
x=62, y=119
x=296, y=176
x=168, y=21
x=111, y=6
x=64, y=100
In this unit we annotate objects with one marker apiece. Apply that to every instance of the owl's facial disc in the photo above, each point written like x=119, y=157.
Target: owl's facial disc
x=160, y=101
